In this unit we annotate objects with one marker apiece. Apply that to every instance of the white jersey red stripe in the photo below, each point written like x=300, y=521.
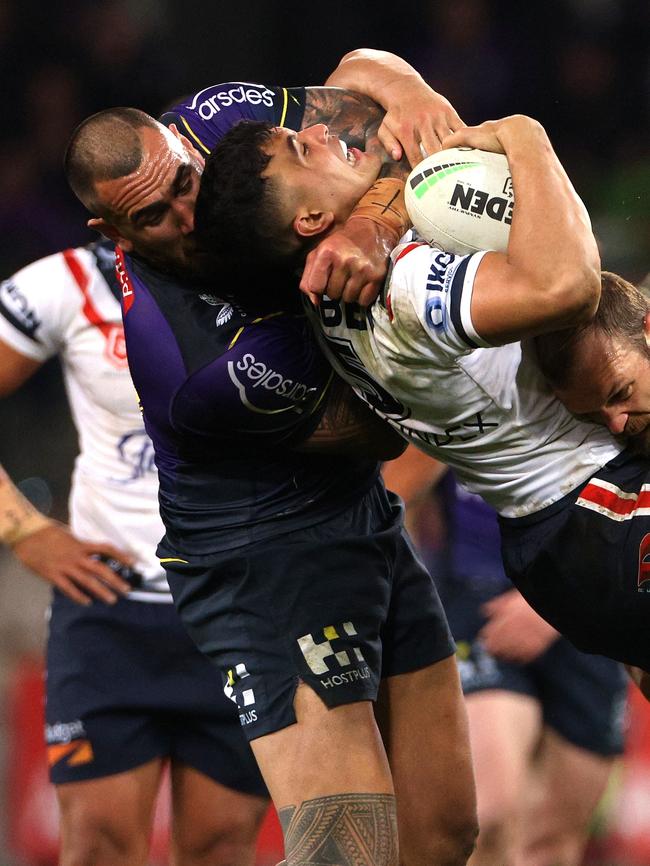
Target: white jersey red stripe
x=612, y=502
x=416, y=357
x=63, y=305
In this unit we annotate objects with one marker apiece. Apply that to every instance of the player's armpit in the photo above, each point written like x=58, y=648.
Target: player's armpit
x=348, y=427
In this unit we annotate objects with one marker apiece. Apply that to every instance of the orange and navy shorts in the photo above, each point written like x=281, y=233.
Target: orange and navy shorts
x=125, y=685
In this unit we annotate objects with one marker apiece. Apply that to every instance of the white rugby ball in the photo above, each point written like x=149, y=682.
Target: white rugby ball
x=461, y=200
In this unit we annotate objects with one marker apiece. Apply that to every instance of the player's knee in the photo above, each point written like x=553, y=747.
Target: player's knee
x=448, y=844
x=230, y=844
x=89, y=838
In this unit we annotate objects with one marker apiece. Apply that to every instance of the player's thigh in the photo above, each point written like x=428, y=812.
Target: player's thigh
x=329, y=778
x=212, y=818
x=112, y=811
x=424, y=723
x=505, y=727
x=570, y=782
x=328, y=751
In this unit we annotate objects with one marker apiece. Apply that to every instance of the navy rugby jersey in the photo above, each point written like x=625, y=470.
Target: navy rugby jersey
x=226, y=395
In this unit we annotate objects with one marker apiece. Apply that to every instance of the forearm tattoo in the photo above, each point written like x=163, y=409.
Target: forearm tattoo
x=352, y=116
x=355, y=118
x=341, y=830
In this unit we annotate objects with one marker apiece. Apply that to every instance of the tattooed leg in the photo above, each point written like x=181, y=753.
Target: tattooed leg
x=341, y=830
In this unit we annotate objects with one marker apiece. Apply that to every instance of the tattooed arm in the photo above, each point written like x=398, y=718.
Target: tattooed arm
x=351, y=263
x=349, y=427
x=417, y=117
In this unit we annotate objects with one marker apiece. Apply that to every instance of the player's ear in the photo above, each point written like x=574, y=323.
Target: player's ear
x=187, y=144
x=308, y=224
x=109, y=231
x=646, y=329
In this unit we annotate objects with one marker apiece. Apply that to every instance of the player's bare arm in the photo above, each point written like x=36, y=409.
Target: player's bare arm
x=417, y=118
x=44, y=545
x=349, y=427
x=550, y=276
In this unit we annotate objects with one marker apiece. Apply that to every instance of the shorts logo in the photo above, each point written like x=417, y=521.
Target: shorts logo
x=643, y=580
x=68, y=740
x=315, y=655
x=242, y=697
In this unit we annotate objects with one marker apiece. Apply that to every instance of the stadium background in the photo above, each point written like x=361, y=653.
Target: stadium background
x=582, y=67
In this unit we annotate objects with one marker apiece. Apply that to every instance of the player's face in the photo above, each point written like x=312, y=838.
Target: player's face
x=153, y=208
x=317, y=171
x=610, y=385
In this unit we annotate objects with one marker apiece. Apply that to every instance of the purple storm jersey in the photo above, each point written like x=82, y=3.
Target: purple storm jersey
x=208, y=115
x=225, y=396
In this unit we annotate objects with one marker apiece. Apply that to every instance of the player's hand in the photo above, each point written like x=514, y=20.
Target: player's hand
x=417, y=121
x=514, y=632
x=494, y=135
x=71, y=565
x=350, y=264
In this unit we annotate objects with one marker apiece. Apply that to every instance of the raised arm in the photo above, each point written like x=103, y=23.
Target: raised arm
x=417, y=117
x=384, y=106
x=550, y=276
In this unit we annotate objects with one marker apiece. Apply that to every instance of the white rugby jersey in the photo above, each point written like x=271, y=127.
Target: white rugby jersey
x=416, y=358
x=68, y=304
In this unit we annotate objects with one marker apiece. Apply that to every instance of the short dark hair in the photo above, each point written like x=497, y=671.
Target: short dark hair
x=620, y=316
x=105, y=146
x=237, y=214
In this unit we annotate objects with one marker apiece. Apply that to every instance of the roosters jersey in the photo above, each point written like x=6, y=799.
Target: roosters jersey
x=68, y=305
x=416, y=358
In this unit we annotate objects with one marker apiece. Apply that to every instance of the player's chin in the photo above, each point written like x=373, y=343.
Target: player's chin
x=639, y=442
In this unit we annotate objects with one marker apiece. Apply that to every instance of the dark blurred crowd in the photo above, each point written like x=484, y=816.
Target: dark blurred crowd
x=581, y=66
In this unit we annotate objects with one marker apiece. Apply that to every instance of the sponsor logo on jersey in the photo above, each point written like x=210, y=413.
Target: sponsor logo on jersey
x=124, y=281
x=216, y=102
x=135, y=451
x=333, y=651
x=236, y=692
x=115, y=350
x=224, y=315
x=249, y=373
x=477, y=202
x=643, y=580
x=15, y=308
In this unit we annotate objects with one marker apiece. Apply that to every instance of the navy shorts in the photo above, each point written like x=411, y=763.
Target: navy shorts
x=126, y=685
x=337, y=606
x=583, y=563
x=582, y=697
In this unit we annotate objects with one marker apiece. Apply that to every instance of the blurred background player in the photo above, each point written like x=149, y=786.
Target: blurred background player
x=127, y=691
x=546, y=721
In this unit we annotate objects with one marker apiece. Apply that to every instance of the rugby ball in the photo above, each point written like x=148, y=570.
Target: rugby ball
x=461, y=200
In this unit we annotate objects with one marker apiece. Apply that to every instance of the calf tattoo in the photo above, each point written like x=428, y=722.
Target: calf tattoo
x=341, y=830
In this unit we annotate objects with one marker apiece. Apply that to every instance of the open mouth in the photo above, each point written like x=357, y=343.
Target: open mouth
x=349, y=155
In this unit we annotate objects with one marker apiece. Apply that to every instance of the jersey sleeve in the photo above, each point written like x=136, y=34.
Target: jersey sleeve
x=271, y=383
x=36, y=306
x=208, y=115
x=428, y=298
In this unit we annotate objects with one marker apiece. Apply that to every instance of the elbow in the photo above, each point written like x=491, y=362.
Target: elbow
x=576, y=295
